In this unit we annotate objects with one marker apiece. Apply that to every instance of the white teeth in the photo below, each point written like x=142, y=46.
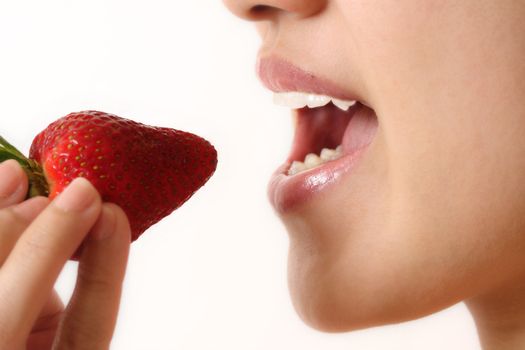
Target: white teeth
x=292, y=100
x=328, y=154
x=314, y=101
x=296, y=167
x=312, y=160
x=344, y=105
x=297, y=100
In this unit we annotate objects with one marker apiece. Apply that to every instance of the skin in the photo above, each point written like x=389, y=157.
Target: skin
x=32, y=256
x=434, y=213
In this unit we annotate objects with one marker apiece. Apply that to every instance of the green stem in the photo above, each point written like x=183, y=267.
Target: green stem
x=37, y=181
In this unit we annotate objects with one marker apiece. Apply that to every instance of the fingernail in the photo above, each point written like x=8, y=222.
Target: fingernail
x=77, y=197
x=10, y=184
x=104, y=226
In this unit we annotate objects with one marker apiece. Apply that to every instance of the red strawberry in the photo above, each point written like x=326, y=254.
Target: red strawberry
x=148, y=171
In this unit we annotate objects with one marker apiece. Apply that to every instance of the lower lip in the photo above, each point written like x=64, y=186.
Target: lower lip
x=288, y=192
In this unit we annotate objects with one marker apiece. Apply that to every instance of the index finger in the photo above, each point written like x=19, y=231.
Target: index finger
x=13, y=183
x=29, y=273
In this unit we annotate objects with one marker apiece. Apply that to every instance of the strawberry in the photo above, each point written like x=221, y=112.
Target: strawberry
x=148, y=171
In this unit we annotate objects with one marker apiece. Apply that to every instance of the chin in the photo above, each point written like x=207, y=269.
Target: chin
x=324, y=306
x=340, y=282
x=333, y=304
x=319, y=292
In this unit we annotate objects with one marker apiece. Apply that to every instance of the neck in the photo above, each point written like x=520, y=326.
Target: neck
x=500, y=317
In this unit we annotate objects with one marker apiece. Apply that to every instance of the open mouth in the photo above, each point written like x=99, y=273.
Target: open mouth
x=334, y=127
x=327, y=129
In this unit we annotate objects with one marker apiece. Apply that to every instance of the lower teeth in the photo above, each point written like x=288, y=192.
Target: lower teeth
x=312, y=160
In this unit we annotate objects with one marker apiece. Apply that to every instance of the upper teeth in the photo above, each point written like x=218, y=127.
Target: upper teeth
x=297, y=100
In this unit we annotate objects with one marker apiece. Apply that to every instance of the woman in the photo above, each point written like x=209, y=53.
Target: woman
x=419, y=209
x=425, y=208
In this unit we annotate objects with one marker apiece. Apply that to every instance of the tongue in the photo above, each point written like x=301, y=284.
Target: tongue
x=319, y=128
x=360, y=131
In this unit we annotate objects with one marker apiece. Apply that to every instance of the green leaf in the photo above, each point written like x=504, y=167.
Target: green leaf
x=37, y=181
x=10, y=149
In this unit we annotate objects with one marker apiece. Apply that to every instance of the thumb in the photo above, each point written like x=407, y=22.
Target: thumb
x=91, y=315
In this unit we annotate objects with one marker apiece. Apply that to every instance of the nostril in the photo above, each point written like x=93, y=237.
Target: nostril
x=259, y=8
x=264, y=10
x=261, y=11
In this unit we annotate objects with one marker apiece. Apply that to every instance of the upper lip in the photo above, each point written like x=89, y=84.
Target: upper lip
x=280, y=75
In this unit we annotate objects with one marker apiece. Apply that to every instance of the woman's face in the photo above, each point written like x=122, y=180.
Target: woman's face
x=426, y=206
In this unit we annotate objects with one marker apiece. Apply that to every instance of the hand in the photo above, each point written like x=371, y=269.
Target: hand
x=37, y=237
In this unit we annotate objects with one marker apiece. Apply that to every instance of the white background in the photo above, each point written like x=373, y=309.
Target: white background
x=213, y=274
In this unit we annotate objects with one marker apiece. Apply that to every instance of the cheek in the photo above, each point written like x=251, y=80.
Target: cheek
x=421, y=224
x=450, y=101
x=454, y=127
x=435, y=213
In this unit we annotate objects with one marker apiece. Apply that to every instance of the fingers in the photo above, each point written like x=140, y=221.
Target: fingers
x=30, y=271
x=13, y=183
x=45, y=328
x=91, y=315
x=15, y=220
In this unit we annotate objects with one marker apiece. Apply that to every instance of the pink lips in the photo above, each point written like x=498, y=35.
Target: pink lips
x=287, y=192
x=281, y=76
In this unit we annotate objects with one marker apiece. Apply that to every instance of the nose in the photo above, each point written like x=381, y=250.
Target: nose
x=258, y=10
